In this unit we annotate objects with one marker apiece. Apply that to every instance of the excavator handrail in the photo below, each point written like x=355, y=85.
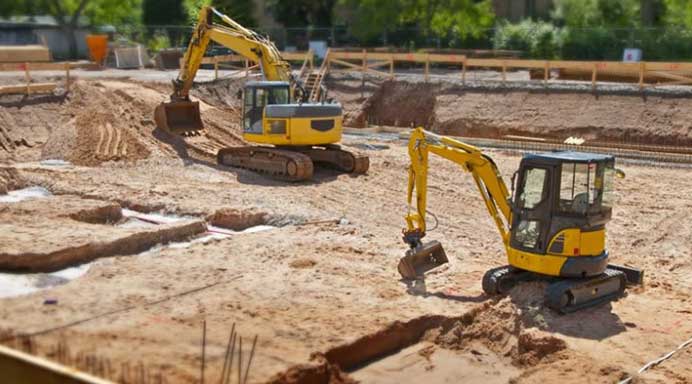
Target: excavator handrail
x=471, y=159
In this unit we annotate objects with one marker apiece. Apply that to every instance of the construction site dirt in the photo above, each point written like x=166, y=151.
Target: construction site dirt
x=171, y=240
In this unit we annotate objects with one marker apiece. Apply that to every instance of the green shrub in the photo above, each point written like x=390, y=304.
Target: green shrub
x=535, y=39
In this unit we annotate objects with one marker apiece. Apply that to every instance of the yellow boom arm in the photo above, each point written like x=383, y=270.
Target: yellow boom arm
x=241, y=40
x=471, y=159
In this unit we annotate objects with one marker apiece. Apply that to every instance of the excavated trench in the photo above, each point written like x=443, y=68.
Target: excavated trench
x=452, y=109
x=493, y=343
x=37, y=256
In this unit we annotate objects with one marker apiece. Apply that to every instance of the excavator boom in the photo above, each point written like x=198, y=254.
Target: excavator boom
x=181, y=115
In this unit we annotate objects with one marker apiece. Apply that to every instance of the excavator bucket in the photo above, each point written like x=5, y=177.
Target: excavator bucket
x=421, y=259
x=179, y=117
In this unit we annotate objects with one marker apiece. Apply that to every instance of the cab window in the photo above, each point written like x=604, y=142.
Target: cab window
x=533, y=188
x=579, y=187
x=278, y=95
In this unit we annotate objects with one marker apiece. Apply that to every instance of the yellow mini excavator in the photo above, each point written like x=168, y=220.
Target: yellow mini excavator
x=274, y=110
x=552, y=226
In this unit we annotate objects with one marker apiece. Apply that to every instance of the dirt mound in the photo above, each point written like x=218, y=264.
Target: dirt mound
x=27, y=123
x=499, y=328
x=10, y=180
x=402, y=104
x=221, y=93
x=237, y=220
x=321, y=373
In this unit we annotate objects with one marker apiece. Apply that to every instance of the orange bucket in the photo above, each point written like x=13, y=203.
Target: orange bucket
x=98, y=46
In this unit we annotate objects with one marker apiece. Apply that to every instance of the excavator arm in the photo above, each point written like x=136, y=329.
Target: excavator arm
x=181, y=115
x=232, y=35
x=493, y=190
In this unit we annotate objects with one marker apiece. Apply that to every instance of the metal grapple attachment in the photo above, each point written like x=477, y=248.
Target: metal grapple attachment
x=179, y=117
x=421, y=259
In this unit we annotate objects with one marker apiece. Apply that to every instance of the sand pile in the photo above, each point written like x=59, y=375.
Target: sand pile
x=10, y=180
x=500, y=329
x=111, y=120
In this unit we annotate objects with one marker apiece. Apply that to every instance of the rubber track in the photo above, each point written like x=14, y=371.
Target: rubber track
x=554, y=292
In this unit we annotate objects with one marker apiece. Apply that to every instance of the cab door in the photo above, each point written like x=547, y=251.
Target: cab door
x=253, y=110
x=532, y=209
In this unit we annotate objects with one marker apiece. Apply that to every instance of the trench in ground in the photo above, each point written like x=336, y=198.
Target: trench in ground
x=148, y=234
x=490, y=343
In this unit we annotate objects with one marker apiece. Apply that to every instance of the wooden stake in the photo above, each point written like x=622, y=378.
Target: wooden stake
x=593, y=76
x=27, y=77
x=67, y=77
x=463, y=72
x=546, y=72
x=204, y=349
x=427, y=67
x=642, y=69
x=504, y=72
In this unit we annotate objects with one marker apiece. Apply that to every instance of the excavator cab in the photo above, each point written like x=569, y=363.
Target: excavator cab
x=256, y=96
x=561, y=205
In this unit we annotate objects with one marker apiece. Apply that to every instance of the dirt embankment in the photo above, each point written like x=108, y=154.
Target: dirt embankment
x=112, y=120
x=493, y=113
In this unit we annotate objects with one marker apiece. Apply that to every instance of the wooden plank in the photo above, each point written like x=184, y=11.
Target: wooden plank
x=345, y=63
x=27, y=88
x=19, y=367
x=679, y=79
x=59, y=66
x=379, y=64
x=24, y=53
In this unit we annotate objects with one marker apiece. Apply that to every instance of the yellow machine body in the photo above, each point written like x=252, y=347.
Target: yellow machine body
x=296, y=131
x=563, y=247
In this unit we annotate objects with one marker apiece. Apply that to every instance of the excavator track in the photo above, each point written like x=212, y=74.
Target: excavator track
x=277, y=163
x=568, y=296
x=338, y=158
x=563, y=295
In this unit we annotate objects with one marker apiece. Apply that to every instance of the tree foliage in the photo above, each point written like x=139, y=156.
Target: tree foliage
x=441, y=18
x=678, y=12
x=163, y=12
x=238, y=10
x=303, y=13
x=597, y=13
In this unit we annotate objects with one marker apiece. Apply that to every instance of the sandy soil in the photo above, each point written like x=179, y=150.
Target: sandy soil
x=451, y=109
x=321, y=289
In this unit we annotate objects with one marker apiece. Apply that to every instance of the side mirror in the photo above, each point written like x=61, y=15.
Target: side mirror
x=239, y=94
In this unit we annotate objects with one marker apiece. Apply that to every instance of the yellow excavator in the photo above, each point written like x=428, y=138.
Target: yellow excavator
x=552, y=226
x=275, y=112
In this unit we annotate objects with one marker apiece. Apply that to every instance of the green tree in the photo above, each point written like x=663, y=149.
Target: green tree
x=163, y=12
x=303, y=13
x=238, y=10
x=439, y=18
x=678, y=12
x=70, y=14
x=597, y=13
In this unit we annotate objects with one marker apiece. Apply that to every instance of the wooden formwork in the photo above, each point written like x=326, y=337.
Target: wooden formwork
x=29, y=87
x=367, y=62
